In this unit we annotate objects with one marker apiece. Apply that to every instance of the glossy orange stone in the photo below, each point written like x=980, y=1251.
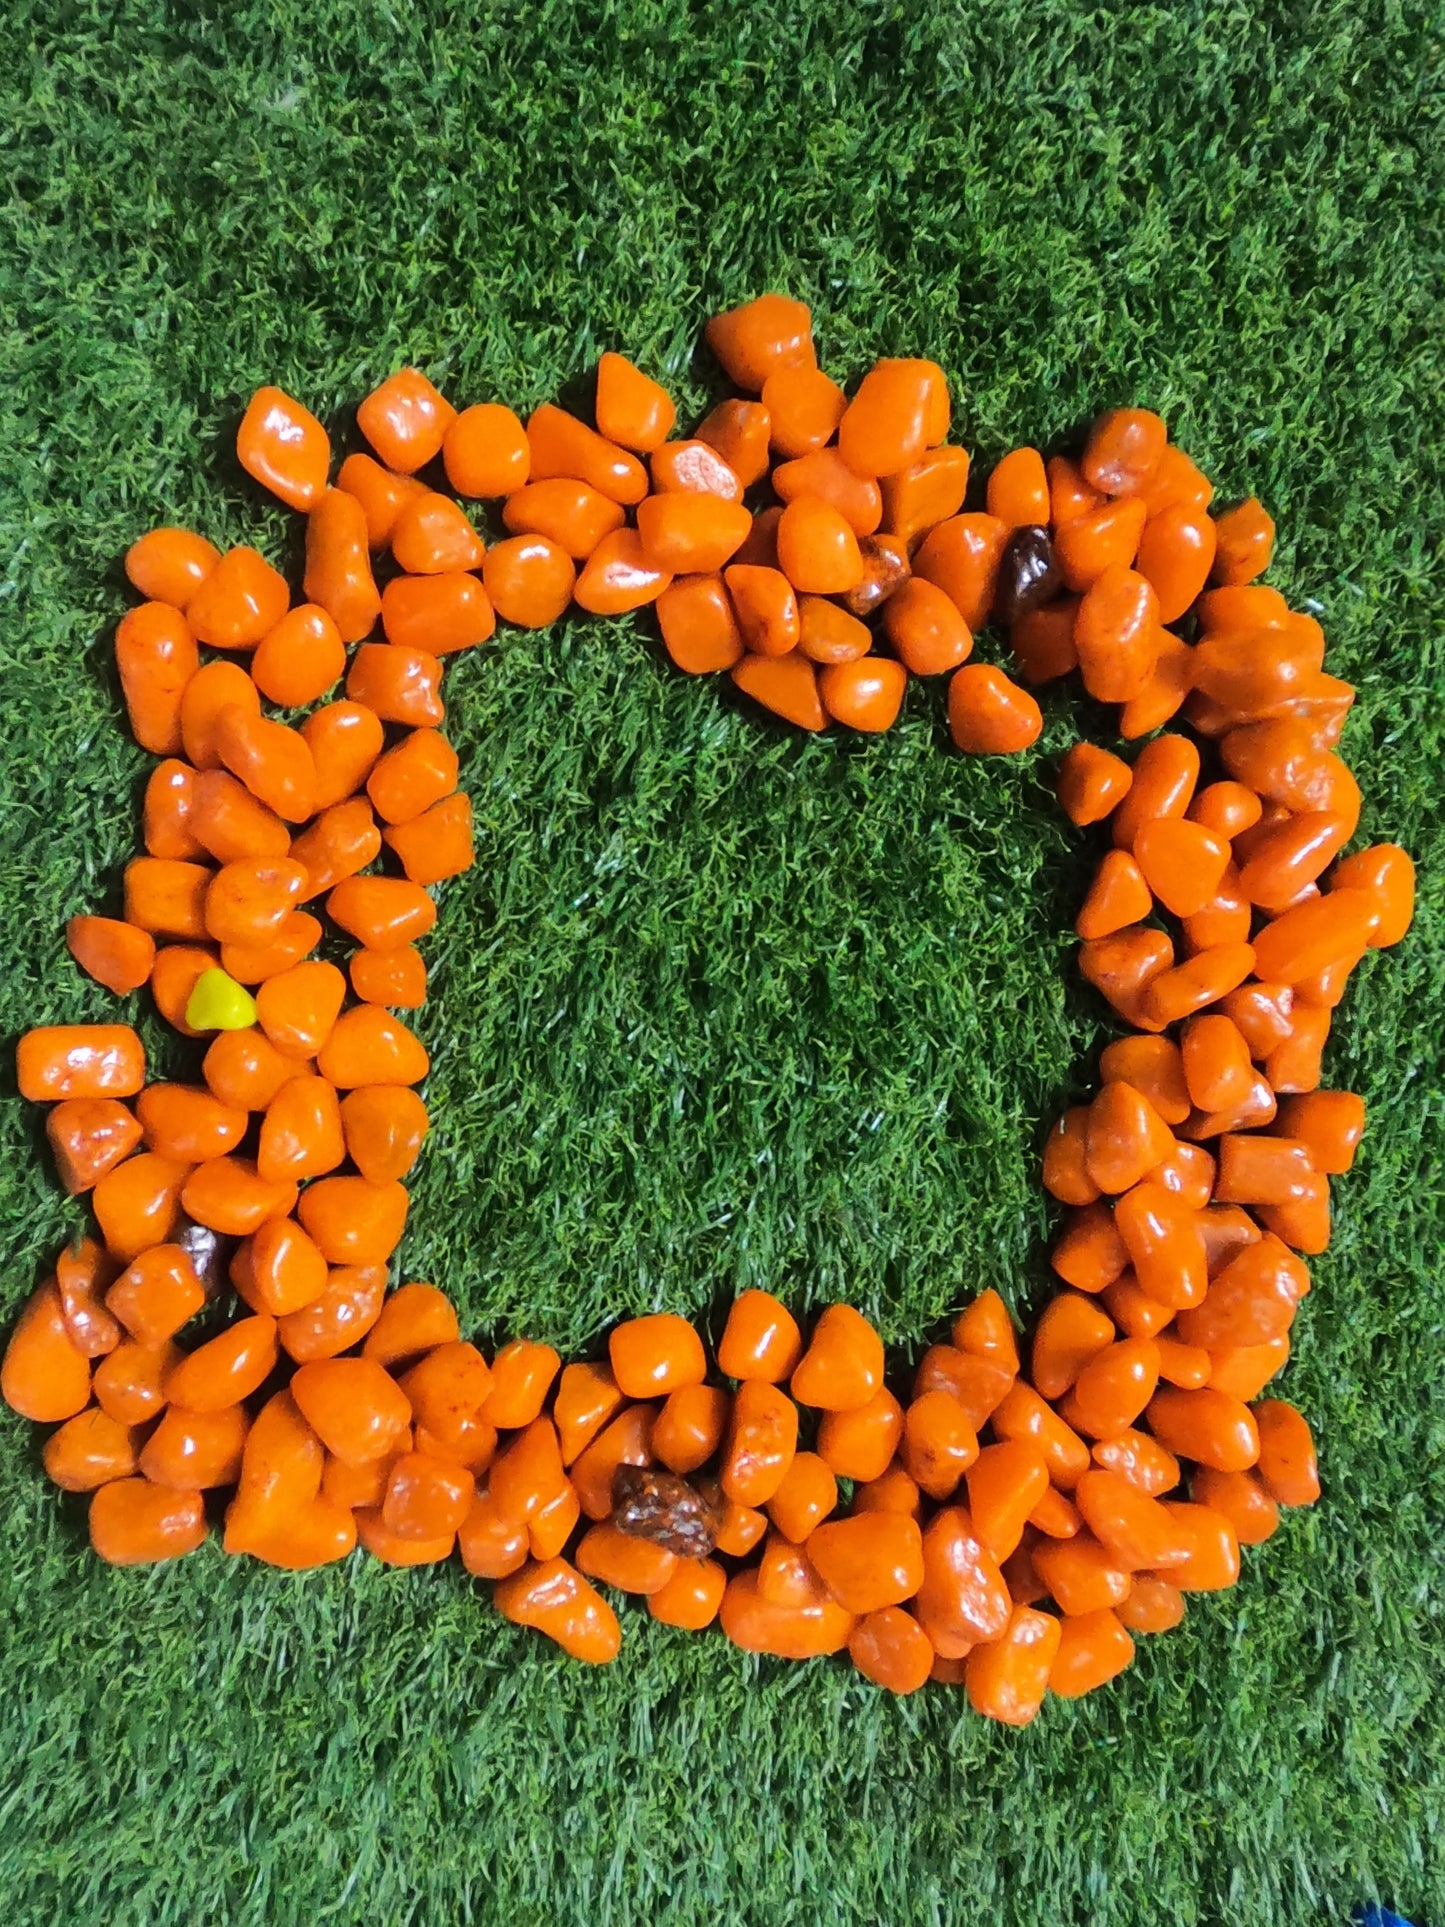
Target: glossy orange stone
x=1091, y=783
x=196, y=1451
x=384, y=1128
x=227, y=1368
x=900, y=410
x=1287, y=1463
x=1092, y=1650
x=1007, y=1678
x=761, y=1441
x=817, y=550
x=381, y=493
x=1245, y=543
x=339, y=1318
x=400, y=685
x=133, y=1522
x=485, y=451
x=762, y=336
x=90, y=1136
x=170, y=564
x=345, y=739
x=990, y=716
x=89, y=1450
x=283, y=447
x=405, y=420
x=355, y=1408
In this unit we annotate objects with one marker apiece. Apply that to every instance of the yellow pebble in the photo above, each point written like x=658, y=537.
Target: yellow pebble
x=218, y=1002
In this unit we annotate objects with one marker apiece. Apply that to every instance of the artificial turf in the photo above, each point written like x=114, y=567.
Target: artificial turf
x=718, y=1006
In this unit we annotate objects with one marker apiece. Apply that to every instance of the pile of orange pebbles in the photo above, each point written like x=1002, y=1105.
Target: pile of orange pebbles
x=1006, y=1527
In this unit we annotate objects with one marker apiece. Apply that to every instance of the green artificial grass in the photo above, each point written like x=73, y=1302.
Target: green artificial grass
x=718, y=1006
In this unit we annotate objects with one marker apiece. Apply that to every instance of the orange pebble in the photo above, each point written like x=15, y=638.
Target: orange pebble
x=340, y=1318
x=990, y=716
x=1125, y=447
x=241, y=598
x=1245, y=537
x=1007, y=1678
x=45, y=1375
x=244, y=1069
x=738, y=431
x=345, y=740
x=1091, y=783
x=281, y=445
x=167, y=809
x=485, y=451
x=1005, y=1483
x=89, y=1136
x=229, y=1195
x=865, y=694
x=400, y=685
x=396, y=978
x=962, y=557
x=587, y=1400
x=621, y=575
x=384, y=1126
x=929, y=491
x=522, y=1375
x=1071, y=1331
x=115, y=954
x=925, y=627
x=786, y=685
x=626, y=1441
x=1175, y=556
x=133, y=1522
x=561, y=445
x=196, y=1451
x=698, y=625
x=569, y=513
x=138, y=1204
x=156, y=1294
x=440, y=613
x=298, y=1008
x=529, y=579
x=170, y=564
x=215, y=688
x=433, y=536
x=762, y=336
x=227, y=1368
x=381, y=494
x=817, y=550
x=826, y=480
x=691, y=1597
x=156, y=656
x=405, y=420
x=89, y=1450
x=760, y=1444
x=653, y=1356
x=273, y=761
x=491, y=1545
x=355, y=1408
x=1287, y=1465
x=842, y=1368
x=828, y=634
x=632, y=409
x=166, y=898
x=553, y=1597
x=900, y=410
x=1092, y=1650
